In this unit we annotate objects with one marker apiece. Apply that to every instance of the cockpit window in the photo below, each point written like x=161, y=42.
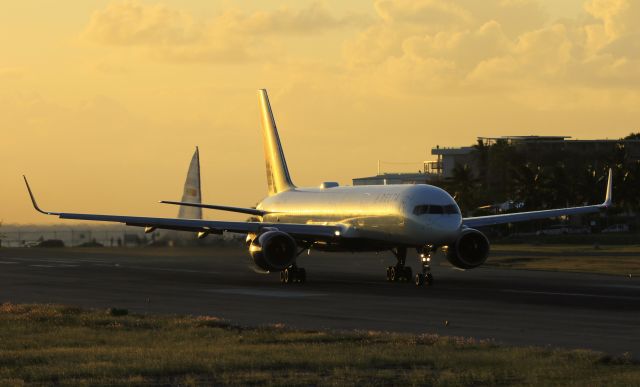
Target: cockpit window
x=419, y=210
x=435, y=209
x=451, y=209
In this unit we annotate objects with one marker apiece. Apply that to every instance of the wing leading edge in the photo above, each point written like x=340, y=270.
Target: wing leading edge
x=241, y=210
x=298, y=231
x=490, y=220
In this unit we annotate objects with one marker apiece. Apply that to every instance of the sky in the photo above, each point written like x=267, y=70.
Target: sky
x=103, y=102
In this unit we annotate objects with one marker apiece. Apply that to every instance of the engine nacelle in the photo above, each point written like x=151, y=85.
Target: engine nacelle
x=470, y=250
x=273, y=250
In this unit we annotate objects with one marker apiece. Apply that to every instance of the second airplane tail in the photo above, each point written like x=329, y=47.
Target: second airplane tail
x=192, y=191
x=278, y=178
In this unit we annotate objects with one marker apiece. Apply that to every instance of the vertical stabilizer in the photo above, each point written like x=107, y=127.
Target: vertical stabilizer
x=192, y=192
x=278, y=178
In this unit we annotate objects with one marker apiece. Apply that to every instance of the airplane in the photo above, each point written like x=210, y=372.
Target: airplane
x=192, y=191
x=291, y=220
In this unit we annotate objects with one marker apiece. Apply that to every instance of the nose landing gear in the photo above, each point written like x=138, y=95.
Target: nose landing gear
x=425, y=278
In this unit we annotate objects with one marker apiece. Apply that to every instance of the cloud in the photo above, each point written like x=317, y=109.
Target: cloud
x=313, y=19
x=431, y=13
x=497, y=45
x=231, y=36
x=130, y=23
x=11, y=73
x=618, y=17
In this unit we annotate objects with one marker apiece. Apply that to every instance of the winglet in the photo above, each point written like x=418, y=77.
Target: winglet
x=33, y=199
x=608, y=200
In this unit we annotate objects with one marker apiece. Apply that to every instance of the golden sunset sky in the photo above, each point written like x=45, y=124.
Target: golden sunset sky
x=103, y=102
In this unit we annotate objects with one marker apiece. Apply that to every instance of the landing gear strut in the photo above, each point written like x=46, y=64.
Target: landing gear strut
x=425, y=254
x=293, y=274
x=399, y=272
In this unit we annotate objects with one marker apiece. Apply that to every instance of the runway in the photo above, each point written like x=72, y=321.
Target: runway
x=344, y=291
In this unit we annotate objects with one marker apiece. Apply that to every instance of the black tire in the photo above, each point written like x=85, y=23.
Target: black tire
x=302, y=276
x=393, y=274
x=389, y=273
x=428, y=280
x=419, y=279
x=408, y=273
x=282, y=277
x=288, y=277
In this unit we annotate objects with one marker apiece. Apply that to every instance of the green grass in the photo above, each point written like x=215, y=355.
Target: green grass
x=48, y=344
x=615, y=260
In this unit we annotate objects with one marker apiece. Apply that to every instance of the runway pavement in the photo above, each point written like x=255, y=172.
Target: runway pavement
x=344, y=291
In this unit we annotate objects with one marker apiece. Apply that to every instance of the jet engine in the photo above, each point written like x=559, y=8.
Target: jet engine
x=273, y=250
x=469, y=250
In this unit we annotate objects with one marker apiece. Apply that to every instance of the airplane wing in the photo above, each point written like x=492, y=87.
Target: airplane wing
x=297, y=231
x=242, y=210
x=491, y=220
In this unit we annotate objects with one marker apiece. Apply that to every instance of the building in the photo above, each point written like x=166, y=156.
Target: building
x=448, y=158
x=532, y=148
x=395, y=178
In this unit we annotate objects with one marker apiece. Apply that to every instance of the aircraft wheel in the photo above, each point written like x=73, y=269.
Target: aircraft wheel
x=283, y=277
x=393, y=274
x=302, y=276
x=288, y=276
x=408, y=273
x=419, y=279
x=389, y=273
x=428, y=279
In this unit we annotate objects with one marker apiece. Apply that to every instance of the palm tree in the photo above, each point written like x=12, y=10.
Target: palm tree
x=530, y=185
x=558, y=190
x=482, y=154
x=463, y=186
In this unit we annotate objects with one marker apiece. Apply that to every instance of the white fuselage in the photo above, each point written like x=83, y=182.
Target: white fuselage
x=389, y=214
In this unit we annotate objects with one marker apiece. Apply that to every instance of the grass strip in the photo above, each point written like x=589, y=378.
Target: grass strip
x=59, y=345
x=614, y=260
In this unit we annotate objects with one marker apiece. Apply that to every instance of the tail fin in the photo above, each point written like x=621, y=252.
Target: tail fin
x=278, y=177
x=192, y=192
x=608, y=199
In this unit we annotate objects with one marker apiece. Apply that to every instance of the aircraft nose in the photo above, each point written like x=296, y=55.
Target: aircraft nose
x=449, y=225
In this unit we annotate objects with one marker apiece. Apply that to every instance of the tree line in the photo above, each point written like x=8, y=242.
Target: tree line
x=541, y=175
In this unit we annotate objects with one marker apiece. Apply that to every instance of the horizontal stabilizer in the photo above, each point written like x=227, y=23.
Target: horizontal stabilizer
x=242, y=210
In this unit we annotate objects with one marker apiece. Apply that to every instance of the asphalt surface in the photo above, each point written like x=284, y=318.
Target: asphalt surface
x=344, y=291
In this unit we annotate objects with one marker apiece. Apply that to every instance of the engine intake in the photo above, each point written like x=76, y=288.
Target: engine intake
x=470, y=250
x=273, y=250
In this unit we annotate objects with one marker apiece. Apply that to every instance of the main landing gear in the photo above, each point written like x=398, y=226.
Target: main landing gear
x=399, y=272
x=425, y=278
x=293, y=274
